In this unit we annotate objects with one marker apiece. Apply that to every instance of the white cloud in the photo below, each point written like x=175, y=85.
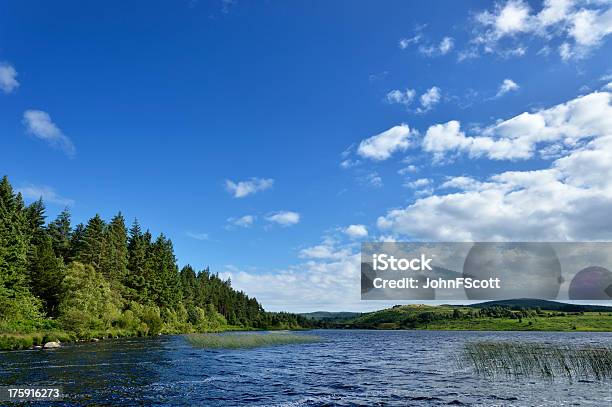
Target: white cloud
x=244, y=188
x=198, y=236
x=608, y=86
x=328, y=279
x=511, y=18
x=406, y=42
x=383, y=145
x=565, y=51
x=39, y=124
x=446, y=45
x=284, y=218
x=434, y=50
x=422, y=186
x=371, y=179
x=348, y=163
x=519, y=137
x=356, y=231
x=397, y=96
x=569, y=200
x=245, y=221
x=318, y=284
x=48, y=194
x=419, y=183
x=326, y=250
x=508, y=85
x=408, y=170
x=8, y=78
x=581, y=25
x=429, y=99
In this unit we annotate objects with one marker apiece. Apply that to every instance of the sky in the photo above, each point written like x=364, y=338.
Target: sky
x=269, y=139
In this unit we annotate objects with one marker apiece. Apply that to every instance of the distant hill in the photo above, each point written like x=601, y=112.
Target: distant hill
x=543, y=305
x=331, y=316
x=508, y=315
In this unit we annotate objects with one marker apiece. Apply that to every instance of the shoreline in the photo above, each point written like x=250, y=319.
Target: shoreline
x=69, y=338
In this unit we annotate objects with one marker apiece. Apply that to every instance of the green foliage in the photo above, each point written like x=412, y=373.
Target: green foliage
x=96, y=281
x=87, y=301
x=494, y=318
x=47, y=274
x=17, y=228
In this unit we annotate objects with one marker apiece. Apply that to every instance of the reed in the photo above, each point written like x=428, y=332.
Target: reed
x=237, y=340
x=545, y=360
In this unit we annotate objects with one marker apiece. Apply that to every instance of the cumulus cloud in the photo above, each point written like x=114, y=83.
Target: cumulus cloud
x=569, y=200
x=242, y=189
x=381, y=146
x=284, y=218
x=422, y=186
x=48, y=194
x=326, y=250
x=580, y=25
x=443, y=48
x=245, y=221
x=408, y=169
x=330, y=283
x=421, y=182
x=356, y=231
x=40, y=125
x=8, y=78
x=508, y=85
x=568, y=124
x=429, y=99
x=397, y=96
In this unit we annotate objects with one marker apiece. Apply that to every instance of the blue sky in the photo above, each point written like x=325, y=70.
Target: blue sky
x=254, y=134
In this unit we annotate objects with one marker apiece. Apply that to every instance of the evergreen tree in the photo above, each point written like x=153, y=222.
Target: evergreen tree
x=96, y=278
x=116, y=256
x=16, y=301
x=77, y=241
x=93, y=250
x=135, y=279
x=60, y=232
x=47, y=274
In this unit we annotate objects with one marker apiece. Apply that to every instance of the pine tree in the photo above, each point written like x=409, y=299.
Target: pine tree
x=135, y=279
x=116, y=256
x=14, y=239
x=47, y=274
x=16, y=301
x=60, y=232
x=94, y=244
x=77, y=241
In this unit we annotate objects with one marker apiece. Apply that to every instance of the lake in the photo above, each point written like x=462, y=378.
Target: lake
x=349, y=367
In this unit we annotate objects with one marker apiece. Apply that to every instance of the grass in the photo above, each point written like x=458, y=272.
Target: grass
x=397, y=317
x=544, y=360
x=237, y=340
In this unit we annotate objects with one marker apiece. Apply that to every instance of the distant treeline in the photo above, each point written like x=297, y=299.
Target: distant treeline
x=100, y=277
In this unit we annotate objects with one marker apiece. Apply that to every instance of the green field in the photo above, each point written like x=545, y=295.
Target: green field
x=487, y=319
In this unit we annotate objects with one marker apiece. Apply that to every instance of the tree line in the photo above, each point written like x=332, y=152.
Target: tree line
x=100, y=277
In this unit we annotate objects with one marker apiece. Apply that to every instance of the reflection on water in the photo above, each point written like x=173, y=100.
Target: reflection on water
x=347, y=368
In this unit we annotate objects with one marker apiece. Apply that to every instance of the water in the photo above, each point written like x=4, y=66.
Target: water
x=347, y=368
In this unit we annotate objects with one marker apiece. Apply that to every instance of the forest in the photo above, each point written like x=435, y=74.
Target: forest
x=101, y=279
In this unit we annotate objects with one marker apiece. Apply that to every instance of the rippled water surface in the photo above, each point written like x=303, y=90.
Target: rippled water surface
x=346, y=368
